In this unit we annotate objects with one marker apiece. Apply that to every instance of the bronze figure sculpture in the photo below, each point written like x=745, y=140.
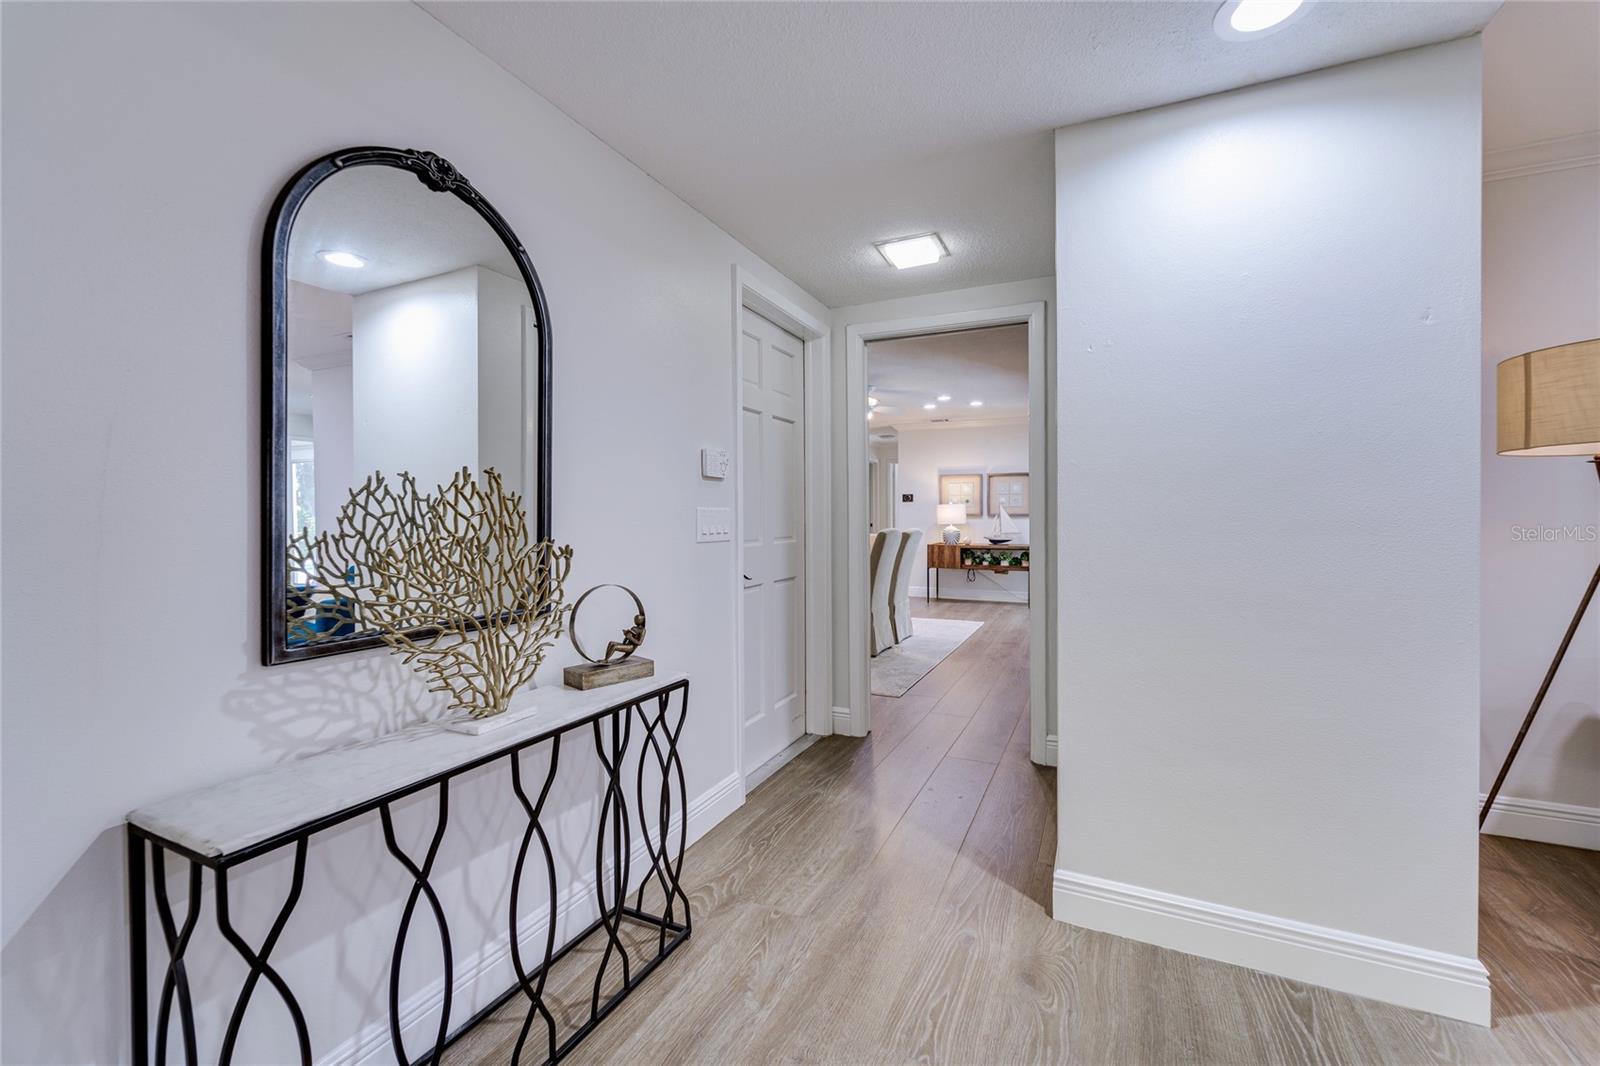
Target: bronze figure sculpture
x=618, y=662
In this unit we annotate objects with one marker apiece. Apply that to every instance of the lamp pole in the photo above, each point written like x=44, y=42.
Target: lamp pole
x=1549, y=676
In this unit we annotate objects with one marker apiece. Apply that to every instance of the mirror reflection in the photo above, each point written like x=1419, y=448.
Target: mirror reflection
x=412, y=345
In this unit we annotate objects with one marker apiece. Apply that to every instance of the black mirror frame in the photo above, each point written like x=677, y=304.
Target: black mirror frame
x=441, y=176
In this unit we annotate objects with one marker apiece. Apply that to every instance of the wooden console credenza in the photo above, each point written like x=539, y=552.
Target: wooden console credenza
x=995, y=558
x=279, y=810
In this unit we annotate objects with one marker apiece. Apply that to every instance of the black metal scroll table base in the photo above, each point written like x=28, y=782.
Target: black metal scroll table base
x=660, y=717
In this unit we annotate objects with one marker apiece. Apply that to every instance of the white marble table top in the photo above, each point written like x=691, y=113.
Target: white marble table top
x=234, y=815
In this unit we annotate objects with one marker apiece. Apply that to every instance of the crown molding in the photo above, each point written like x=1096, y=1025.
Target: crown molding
x=965, y=423
x=1539, y=157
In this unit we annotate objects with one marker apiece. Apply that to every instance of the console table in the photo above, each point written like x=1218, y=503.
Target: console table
x=221, y=827
x=996, y=558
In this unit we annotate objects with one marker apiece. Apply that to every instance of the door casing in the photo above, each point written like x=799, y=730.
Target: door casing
x=753, y=293
x=1041, y=745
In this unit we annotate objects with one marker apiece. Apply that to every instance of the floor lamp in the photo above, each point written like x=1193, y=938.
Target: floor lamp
x=1549, y=404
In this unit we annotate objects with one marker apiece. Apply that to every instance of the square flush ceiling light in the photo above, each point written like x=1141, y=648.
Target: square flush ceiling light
x=903, y=252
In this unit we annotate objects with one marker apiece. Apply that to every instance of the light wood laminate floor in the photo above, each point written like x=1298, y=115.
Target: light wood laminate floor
x=887, y=900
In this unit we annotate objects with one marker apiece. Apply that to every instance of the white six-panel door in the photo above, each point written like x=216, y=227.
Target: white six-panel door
x=772, y=530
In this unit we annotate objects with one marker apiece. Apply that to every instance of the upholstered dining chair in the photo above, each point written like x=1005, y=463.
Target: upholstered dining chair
x=900, y=592
x=885, y=550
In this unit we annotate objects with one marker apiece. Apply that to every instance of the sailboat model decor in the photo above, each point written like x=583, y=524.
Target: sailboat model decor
x=1003, y=530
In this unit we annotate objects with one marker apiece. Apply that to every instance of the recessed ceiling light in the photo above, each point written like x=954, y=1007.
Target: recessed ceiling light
x=1245, y=20
x=872, y=401
x=942, y=399
x=903, y=252
x=342, y=259
x=974, y=403
x=929, y=406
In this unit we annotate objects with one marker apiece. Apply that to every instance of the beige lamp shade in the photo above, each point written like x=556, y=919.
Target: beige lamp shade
x=1550, y=401
x=951, y=514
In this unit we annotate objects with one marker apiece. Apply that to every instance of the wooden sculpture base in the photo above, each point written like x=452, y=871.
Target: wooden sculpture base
x=595, y=675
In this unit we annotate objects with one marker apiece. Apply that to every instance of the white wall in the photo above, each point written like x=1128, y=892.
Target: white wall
x=444, y=378
x=1269, y=464
x=938, y=303
x=333, y=431
x=1541, y=286
x=137, y=199
x=507, y=380
x=927, y=452
x=883, y=499
x=414, y=349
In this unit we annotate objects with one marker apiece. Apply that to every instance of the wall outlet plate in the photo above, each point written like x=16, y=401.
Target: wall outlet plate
x=714, y=463
x=713, y=524
x=905, y=497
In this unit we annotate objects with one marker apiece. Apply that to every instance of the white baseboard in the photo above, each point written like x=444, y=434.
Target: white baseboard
x=1456, y=986
x=1549, y=823
x=842, y=721
x=788, y=755
x=371, y=1045
x=713, y=805
x=1044, y=753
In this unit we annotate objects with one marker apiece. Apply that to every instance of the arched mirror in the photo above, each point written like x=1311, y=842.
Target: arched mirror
x=405, y=331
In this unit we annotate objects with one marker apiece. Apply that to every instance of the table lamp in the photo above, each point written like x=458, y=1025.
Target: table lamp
x=950, y=516
x=1549, y=404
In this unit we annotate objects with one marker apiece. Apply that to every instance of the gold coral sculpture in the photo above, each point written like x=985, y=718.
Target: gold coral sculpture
x=449, y=581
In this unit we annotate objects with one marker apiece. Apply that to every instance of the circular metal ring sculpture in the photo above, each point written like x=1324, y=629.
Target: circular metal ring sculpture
x=632, y=637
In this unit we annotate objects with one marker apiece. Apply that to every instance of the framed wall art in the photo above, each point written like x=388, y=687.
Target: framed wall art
x=963, y=488
x=1009, y=491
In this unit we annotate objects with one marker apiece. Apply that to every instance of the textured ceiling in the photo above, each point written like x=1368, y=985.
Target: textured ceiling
x=403, y=229
x=810, y=130
x=975, y=364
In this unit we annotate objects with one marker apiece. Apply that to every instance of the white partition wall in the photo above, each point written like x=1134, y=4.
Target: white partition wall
x=439, y=382
x=1268, y=410
x=415, y=359
x=507, y=392
x=332, y=413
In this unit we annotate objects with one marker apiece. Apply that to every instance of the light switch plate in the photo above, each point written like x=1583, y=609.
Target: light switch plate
x=713, y=524
x=714, y=463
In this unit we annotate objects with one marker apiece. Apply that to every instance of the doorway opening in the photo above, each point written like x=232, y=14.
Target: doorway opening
x=946, y=607
x=948, y=571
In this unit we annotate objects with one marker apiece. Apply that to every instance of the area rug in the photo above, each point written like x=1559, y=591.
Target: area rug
x=932, y=639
